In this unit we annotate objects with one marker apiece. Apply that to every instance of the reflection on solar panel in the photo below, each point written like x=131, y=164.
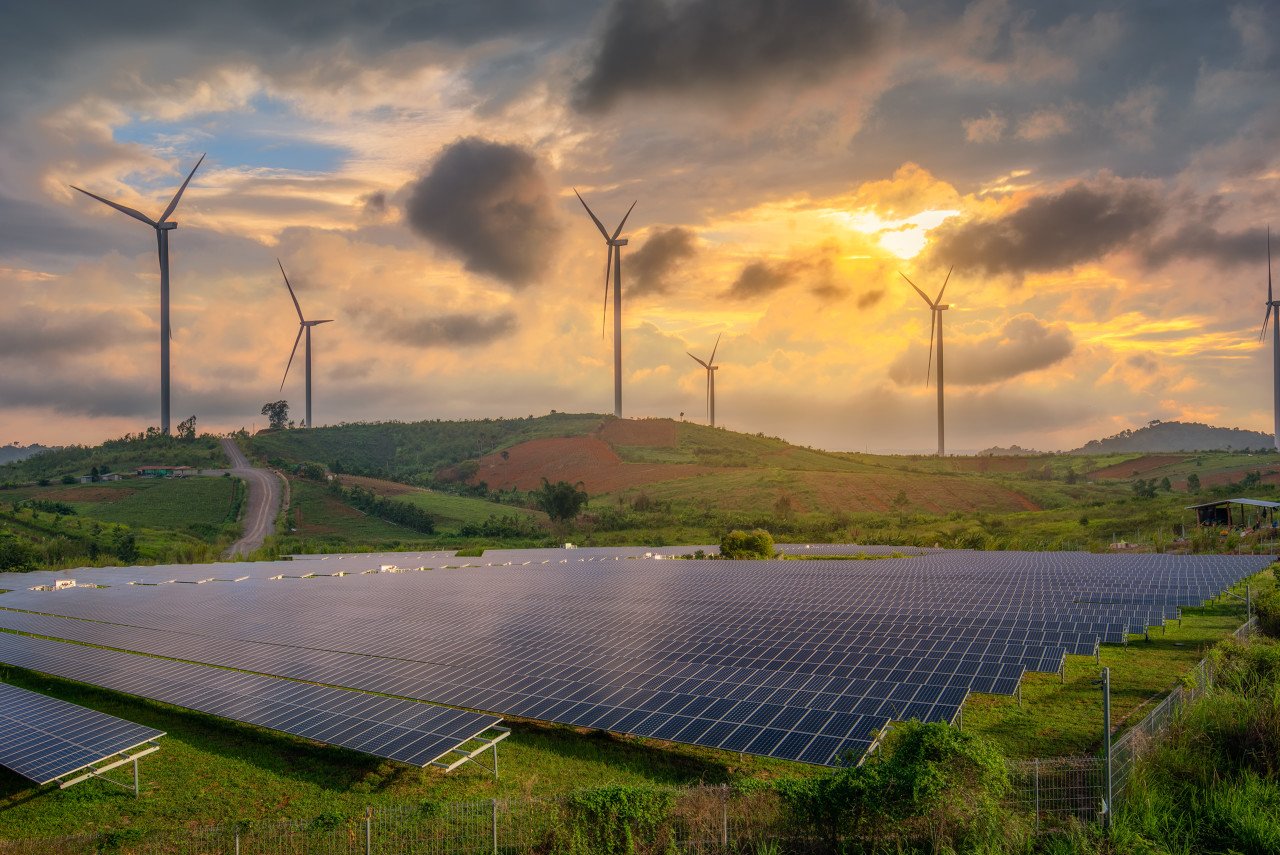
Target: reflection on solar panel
x=407, y=731
x=44, y=739
x=796, y=659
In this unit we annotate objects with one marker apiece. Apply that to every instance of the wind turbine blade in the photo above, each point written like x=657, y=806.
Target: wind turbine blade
x=712, y=360
x=291, y=294
x=618, y=230
x=1269, y=297
x=923, y=296
x=318, y=323
x=699, y=361
x=932, y=329
x=1265, y=320
x=604, y=308
x=176, y=196
x=124, y=209
x=603, y=231
x=944, y=286
x=292, y=354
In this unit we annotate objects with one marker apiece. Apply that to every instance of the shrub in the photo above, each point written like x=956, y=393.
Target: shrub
x=1267, y=608
x=612, y=820
x=756, y=543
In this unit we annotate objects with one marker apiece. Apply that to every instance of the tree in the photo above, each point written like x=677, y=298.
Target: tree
x=756, y=543
x=187, y=428
x=1144, y=489
x=94, y=475
x=15, y=555
x=1165, y=484
x=1193, y=483
x=126, y=547
x=277, y=414
x=900, y=504
x=561, y=501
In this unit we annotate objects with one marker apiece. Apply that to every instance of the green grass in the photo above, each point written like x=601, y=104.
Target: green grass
x=453, y=511
x=210, y=770
x=176, y=503
x=117, y=455
x=317, y=515
x=1065, y=719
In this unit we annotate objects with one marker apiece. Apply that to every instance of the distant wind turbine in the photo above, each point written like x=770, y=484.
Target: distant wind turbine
x=162, y=226
x=303, y=325
x=1273, y=307
x=712, y=368
x=936, y=308
x=615, y=262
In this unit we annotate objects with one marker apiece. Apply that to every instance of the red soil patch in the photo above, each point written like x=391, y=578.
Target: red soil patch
x=1270, y=475
x=94, y=493
x=659, y=433
x=1137, y=466
x=588, y=459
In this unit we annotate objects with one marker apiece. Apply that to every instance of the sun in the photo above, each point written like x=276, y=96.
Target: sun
x=904, y=238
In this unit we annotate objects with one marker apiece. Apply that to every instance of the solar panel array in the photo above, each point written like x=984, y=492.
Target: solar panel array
x=408, y=731
x=803, y=660
x=43, y=738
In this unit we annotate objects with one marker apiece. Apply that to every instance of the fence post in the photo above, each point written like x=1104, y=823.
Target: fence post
x=494, y=804
x=237, y=841
x=1106, y=739
x=368, y=831
x=724, y=816
x=1037, y=771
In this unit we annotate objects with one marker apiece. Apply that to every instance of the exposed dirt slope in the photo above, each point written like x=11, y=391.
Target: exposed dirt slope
x=1139, y=465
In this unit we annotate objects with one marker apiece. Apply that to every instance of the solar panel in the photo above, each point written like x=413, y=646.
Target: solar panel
x=407, y=731
x=713, y=653
x=44, y=739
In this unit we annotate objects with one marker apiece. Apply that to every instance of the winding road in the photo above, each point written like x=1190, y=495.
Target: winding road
x=262, y=504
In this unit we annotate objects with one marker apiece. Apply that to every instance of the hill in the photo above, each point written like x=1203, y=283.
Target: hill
x=1160, y=436
x=114, y=455
x=14, y=452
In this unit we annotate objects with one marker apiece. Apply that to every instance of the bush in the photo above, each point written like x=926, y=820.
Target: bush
x=756, y=543
x=15, y=555
x=1267, y=608
x=612, y=820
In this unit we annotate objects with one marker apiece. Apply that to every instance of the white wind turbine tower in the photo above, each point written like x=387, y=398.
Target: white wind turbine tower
x=712, y=368
x=303, y=325
x=162, y=226
x=1273, y=307
x=936, y=308
x=615, y=261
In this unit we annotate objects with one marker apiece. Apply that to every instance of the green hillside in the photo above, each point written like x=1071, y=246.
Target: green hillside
x=115, y=455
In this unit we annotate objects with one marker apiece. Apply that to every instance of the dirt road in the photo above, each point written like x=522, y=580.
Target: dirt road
x=262, y=504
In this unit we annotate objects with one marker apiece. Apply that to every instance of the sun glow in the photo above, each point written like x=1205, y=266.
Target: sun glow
x=904, y=238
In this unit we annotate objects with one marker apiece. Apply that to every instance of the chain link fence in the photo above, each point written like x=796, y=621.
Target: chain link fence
x=700, y=821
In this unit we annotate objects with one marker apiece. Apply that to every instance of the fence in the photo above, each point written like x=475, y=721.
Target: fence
x=699, y=820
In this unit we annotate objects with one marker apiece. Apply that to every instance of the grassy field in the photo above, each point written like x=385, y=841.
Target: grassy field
x=217, y=771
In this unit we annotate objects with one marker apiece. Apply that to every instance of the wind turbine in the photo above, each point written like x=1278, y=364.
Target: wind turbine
x=162, y=226
x=712, y=368
x=615, y=261
x=303, y=325
x=936, y=308
x=1273, y=307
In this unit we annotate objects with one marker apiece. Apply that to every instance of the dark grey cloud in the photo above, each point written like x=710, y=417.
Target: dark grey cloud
x=1200, y=240
x=1082, y=223
x=714, y=46
x=488, y=204
x=761, y=278
x=1022, y=345
x=456, y=329
x=649, y=268
x=28, y=333
x=867, y=299
x=33, y=228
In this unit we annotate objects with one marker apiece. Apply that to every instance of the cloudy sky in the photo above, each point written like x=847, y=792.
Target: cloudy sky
x=1099, y=175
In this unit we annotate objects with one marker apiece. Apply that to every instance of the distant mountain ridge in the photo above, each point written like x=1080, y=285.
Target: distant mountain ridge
x=1178, y=436
x=13, y=451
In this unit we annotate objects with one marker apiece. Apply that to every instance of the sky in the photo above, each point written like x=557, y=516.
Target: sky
x=1098, y=178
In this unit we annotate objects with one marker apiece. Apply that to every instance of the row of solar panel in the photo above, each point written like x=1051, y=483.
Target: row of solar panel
x=44, y=739
x=408, y=731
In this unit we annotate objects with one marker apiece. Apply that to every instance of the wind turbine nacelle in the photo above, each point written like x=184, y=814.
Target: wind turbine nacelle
x=167, y=226
x=943, y=307
x=620, y=242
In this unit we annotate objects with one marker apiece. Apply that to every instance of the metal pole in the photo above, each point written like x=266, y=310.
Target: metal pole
x=135, y=777
x=724, y=816
x=1106, y=741
x=1037, y=768
x=1248, y=603
x=617, y=329
x=494, y=803
x=237, y=841
x=308, y=377
x=942, y=443
x=495, y=759
x=162, y=238
x=368, y=831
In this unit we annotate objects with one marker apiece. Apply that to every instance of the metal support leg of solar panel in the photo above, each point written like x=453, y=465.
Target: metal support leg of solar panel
x=125, y=759
x=472, y=749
